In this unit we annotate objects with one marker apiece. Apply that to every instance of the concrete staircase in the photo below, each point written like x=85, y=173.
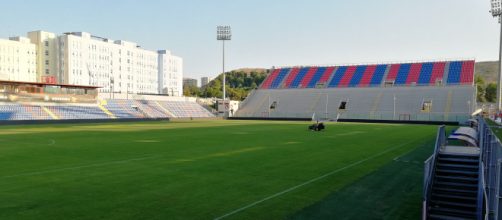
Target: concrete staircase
x=454, y=193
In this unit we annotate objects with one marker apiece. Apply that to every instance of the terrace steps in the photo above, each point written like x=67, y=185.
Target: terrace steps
x=53, y=116
x=454, y=191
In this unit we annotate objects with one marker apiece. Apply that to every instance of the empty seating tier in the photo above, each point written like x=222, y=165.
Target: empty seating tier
x=399, y=74
x=114, y=108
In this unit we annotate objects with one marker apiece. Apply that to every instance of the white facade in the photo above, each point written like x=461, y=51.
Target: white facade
x=18, y=60
x=118, y=66
x=204, y=81
x=170, y=74
x=80, y=58
x=47, y=55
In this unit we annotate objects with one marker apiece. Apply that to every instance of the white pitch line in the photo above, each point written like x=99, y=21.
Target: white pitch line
x=311, y=181
x=78, y=167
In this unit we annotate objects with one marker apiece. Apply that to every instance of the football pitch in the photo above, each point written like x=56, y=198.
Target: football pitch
x=213, y=170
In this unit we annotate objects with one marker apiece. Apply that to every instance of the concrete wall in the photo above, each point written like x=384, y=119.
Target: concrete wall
x=450, y=103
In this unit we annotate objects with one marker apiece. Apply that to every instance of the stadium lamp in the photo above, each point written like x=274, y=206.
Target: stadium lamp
x=496, y=8
x=223, y=33
x=496, y=12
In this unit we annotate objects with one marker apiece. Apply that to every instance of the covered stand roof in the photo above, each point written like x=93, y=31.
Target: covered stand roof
x=5, y=82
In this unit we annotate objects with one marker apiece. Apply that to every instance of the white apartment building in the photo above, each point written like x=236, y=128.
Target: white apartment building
x=47, y=55
x=80, y=58
x=118, y=66
x=170, y=74
x=18, y=60
x=204, y=81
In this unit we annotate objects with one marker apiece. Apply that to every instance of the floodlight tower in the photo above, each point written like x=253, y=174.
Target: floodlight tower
x=496, y=12
x=223, y=33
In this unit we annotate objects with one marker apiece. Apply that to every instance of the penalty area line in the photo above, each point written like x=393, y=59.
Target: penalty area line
x=312, y=180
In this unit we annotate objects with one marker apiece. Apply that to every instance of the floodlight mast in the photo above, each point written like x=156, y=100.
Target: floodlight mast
x=496, y=12
x=223, y=33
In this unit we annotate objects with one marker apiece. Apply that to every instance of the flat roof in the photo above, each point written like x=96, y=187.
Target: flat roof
x=47, y=84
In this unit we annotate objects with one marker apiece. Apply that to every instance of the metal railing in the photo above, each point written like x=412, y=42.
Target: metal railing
x=430, y=167
x=483, y=201
x=488, y=195
x=489, y=186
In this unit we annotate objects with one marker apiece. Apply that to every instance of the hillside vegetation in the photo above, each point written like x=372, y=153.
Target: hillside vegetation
x=486, y=80
x=238, y=84
x=487, y=70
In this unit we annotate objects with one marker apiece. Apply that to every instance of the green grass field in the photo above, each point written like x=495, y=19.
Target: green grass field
x=212, y=169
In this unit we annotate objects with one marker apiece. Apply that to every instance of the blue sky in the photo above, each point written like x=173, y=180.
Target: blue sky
x=273, y=33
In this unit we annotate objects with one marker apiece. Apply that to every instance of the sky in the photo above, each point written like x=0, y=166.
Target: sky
x=268, y=33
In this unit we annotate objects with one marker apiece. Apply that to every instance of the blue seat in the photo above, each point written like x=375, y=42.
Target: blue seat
x=402, y=74
x=358, y=75
x=277, y=81
x=337, y=77
x=317, y=76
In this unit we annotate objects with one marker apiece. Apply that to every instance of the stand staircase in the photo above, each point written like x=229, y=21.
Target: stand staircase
x=454, y=191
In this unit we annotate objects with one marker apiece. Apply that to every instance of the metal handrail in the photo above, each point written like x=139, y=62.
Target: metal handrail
x=440, y=141
x=484, y=192
x=481, y=191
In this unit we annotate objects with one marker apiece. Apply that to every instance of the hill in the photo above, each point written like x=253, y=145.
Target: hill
x=238, y=84
x=250, y=70
x=486, y=80
x=487, y=70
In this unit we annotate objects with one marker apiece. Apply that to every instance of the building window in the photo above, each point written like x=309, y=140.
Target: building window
x=46, y=71
x=46, y=62
x=46, y=43
x=46, y=53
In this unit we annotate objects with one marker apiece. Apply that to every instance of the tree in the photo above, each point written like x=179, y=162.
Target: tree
x=238, y=84
x=190, y=90
x=480, y=87
x=491, y=92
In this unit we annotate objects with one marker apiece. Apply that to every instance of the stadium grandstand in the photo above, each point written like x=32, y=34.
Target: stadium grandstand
x=416, y=91
x=41, y=101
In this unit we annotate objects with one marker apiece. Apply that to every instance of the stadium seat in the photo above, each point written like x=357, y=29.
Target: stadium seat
x=413, y=75
x=437, y=72
x=335, y=81
x=123, y=108
x=394, y=69
x=344, y=82
x=299, y=77
x=376, y=80
x=367, y=76
x=280, y=76
x=425, y=74
x=454, y=73
x=358, y=75
x=119, y=108
x=308, y=76
x=184, y=109
x=316, y=77
x=467, y=74
x=402, y=74
x=268, y=81
x=291, y=76
x=327, y=75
